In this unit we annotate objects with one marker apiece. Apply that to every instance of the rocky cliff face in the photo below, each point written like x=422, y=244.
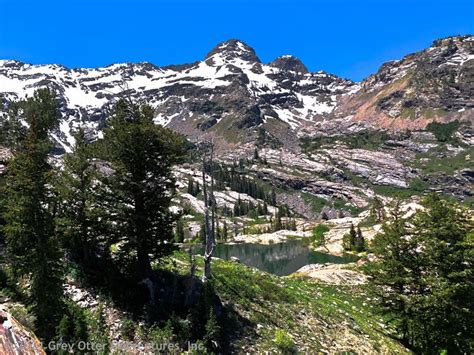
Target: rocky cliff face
x=16, y=339
x=436, y=83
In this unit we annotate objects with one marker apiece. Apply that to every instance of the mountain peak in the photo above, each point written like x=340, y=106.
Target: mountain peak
x=233, y=49
x=289, y=62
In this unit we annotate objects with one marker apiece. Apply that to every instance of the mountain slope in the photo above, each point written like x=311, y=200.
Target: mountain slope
x=436, y=83
x=230, y=91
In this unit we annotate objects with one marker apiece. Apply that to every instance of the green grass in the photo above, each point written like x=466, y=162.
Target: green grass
x=429, y=163
x=341, y=204
x=313, y=314
x=316, y=203
x=392, y=191
x=370, y=140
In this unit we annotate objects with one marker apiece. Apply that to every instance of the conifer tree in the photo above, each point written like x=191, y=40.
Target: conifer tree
x=377, y=209
x=179, y=231
x=191, y=190
x=32, y=244
x=81, y=218
x=349, y=239
x=278, y=222
x=273, y=198
x=141, y=155
x=255, y=155
x=224, y=231
x=359, y=242
x=424, y=279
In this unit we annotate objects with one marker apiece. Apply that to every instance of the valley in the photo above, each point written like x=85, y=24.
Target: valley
x=240, y=206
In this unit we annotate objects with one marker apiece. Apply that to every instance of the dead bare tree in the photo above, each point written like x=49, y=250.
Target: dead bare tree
x=207, y=152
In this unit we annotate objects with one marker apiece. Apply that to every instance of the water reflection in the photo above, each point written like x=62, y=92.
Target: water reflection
x=279, y=259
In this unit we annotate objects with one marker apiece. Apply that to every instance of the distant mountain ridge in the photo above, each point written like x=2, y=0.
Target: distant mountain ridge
x=235, y=98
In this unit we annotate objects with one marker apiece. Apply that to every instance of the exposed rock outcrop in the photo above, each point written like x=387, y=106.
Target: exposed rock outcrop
x=15, y=338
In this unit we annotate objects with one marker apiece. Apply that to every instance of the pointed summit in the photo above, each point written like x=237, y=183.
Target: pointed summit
x=232, y=49
x=288, y=62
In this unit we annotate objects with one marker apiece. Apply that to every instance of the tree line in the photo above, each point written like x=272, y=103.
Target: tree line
x=107, y=205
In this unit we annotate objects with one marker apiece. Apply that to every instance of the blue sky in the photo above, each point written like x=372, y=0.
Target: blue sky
x=348, y=38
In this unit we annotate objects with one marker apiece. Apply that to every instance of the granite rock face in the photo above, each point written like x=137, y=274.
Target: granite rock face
x=16, y=339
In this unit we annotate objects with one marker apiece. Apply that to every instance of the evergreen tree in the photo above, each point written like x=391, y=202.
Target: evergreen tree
x=225, y=231
x=191, y=190
x=212, y=332
x=72, y=329
x=377, y=209
x=349, y=239
x=179, y=231
x=202, y=233
x=81, y=218
x=273, y=198
x=12, y=131
x=32, y=244
x=424, y=277
x=255, y=155
x=141, y=155
x=278, y=222
x=359, y=242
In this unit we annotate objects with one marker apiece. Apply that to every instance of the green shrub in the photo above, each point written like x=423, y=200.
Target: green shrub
x=418, y=185
x=127, y=329
x=98, y=332
x=284, y=342
x=318, y=235
x=443, y=131
x=161, y=337
x=21, y=314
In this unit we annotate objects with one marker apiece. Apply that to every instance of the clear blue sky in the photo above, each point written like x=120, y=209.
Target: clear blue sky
x=348, y=38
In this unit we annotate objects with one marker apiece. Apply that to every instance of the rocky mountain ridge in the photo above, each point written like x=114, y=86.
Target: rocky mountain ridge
x=230, y=90
x=434, y=84
x=337, y=141
x=235, y=98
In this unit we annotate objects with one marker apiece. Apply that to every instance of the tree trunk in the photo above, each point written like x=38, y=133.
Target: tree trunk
x=208, y=230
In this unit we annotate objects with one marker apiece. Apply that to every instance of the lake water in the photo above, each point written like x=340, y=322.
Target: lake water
x=279, y=259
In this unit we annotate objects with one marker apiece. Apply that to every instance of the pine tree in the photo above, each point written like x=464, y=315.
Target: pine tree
x=191, y=190
x=202, y=234
x=141, y=155
x=359, y=242
x=212, y=332
x=72, y=329
x=377, y=209
x=273, y=198
x=423, y=276
x=225, y=231
x=81, y=218
x=349, y=239
x=255, y=155
x=32, y=244
x=278, y=222
x=179, y=231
